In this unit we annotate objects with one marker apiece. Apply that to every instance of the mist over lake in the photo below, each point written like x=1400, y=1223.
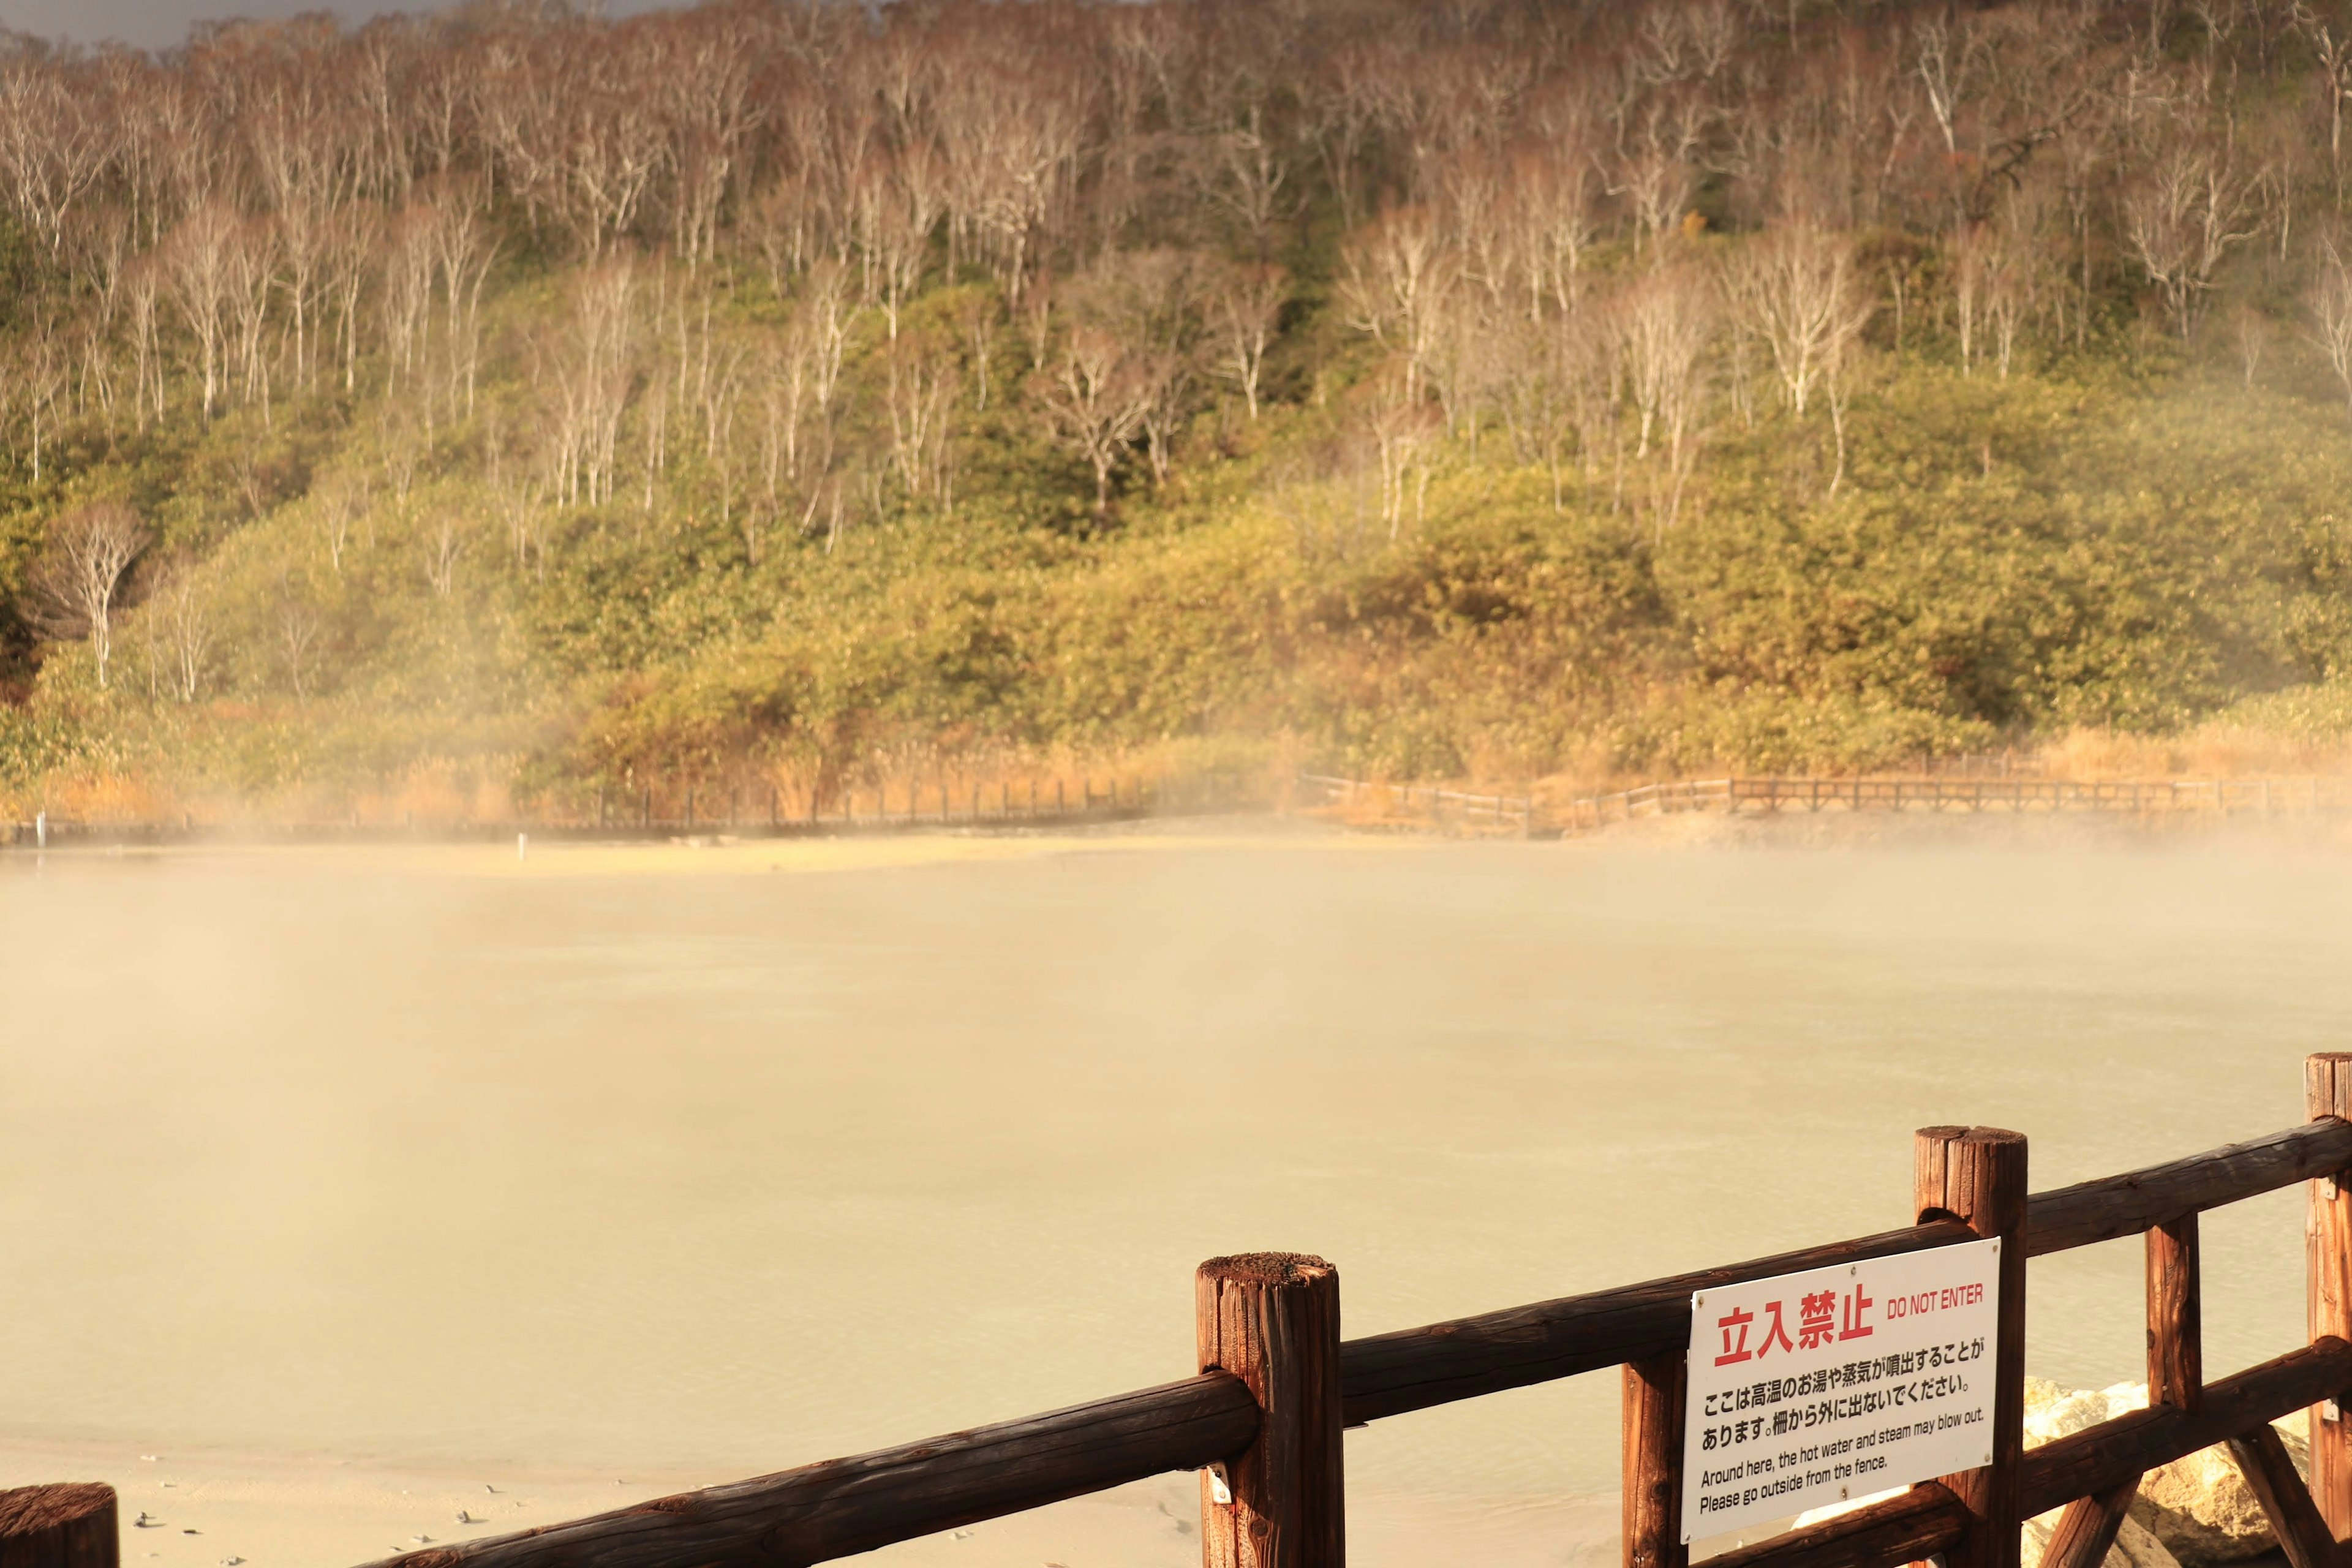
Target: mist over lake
x=632, y=1159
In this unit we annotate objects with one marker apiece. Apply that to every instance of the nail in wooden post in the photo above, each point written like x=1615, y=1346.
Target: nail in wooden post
x=1977, y=1175
x=1272, y=1318
x=1651, y=1472
x=67, y=1526
x=2176, y=1354
x=2327, y=1236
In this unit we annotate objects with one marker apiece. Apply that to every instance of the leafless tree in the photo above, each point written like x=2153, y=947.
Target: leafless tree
x=298, y=630
x=252, y=258
x=39, y=369
x=920, y=399
x=199, y=260
x=181, y=627
x=2331, y=313
x=1245, y=177
x=1662, y=323
x=593, y=368
x=1399, y=278
x=1247, y=312
x=56, y=140
x=2189, y=206
x=1797, y=288
x=340, y=504
x=445, y=541
x=1096, y=398
x=80, y=575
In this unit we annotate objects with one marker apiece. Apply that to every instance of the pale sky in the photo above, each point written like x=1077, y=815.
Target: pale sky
x=157, y=24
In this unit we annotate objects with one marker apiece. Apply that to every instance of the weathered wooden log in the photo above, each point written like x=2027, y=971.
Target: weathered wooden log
x=1977, y=1175
x=71, y=1524
x=2327, y=1235
x=2087, y=1529
x=2270, y=1476
x=842, y=1507
x=2104, y=1460
x=2176, y=1344
x=1272, y=1319
x=2114, y=1451
x=1652, y=1469
x=1413, y=1369
x=1912, y=1528
x=2114, y=1206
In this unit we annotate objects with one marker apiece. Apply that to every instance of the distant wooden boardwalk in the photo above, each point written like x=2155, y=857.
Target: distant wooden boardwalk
x=659, y=816
x=648, y=816
x=1531, y=817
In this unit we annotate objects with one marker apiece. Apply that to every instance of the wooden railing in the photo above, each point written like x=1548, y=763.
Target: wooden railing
x=1514, y=813
x=676, y=809
x=1528, y=816
x=2225, y=797
x=1262, y=1420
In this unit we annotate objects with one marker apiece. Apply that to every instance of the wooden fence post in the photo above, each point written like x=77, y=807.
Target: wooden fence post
x=67, y=1526
x=2175, y=1340
x=1652, y=1474
x=2176, y=1378
x=1977, y=1175
x=2328, y=1091
x=1272, y=1318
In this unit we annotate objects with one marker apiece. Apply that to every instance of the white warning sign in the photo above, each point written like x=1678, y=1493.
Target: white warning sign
x=1811, y=1388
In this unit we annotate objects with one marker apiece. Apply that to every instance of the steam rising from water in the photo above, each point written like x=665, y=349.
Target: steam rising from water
x=743, y=1170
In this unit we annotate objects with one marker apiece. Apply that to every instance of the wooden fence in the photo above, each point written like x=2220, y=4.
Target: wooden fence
x=2225, y=797
x=669, y=811
x=1262, y=1420
x=1529, y=817
x=1508, y=813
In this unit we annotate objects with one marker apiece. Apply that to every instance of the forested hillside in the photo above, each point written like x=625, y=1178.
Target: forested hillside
x=1492, y=388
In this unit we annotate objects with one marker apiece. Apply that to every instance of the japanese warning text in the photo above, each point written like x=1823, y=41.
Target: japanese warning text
x=1811, y=1388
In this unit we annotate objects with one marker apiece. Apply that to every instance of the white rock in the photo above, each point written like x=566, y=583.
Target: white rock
x=2197, y=1510
x=2134, y=1547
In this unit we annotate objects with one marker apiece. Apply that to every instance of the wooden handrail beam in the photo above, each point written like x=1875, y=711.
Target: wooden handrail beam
x=1912, y=1528
x=1413, y=1369
x=842, y=1507
x=2098, y=1459
x=2110, y=1453
x=2114, y=1206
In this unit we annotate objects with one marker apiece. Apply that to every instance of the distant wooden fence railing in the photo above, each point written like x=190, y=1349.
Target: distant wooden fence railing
x=1529, y=816
x=2225, y=796
x=645, y=812
x=1262, y=1420
x=1515, y=813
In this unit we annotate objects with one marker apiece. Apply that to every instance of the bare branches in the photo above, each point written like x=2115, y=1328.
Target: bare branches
x=1247, y=311
x=591, y=365
x=78, y=580
x=1795, y=288
x=179, y=625
x=1400, y=276
x=2331, y=312
x=1095, y=398
x=56, y=141
x=2184, y=213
